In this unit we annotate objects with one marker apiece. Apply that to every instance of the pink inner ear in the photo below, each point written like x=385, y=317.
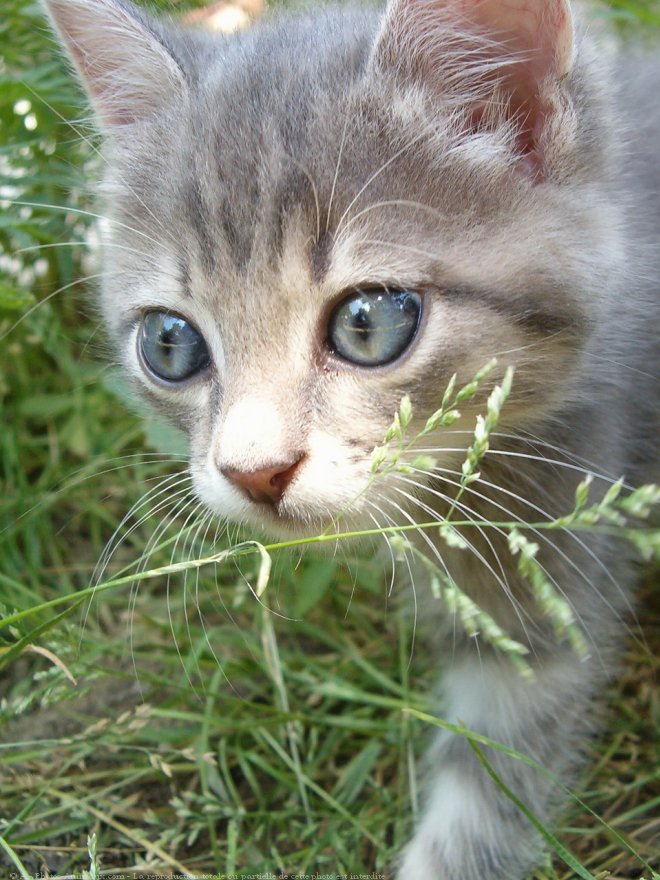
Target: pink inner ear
x=540, y=29
x=541, y=33
x=516, y=50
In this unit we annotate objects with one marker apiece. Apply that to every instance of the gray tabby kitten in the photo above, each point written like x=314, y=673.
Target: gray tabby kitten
x=312, y=218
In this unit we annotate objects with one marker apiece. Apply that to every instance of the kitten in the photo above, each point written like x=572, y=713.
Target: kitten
x=319, y=215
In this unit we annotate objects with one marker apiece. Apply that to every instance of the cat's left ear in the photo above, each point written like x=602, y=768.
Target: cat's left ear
x=121, y=56
x=495, y=60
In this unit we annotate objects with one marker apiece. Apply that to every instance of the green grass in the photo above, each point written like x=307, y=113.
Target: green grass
x=202, y=734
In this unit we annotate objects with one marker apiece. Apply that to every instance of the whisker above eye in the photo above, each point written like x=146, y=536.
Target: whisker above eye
x=388, y=244
x=419, y=136
x=393, y=203
x=340, y=152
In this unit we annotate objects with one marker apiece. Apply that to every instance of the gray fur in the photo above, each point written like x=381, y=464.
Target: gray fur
x=287, y=163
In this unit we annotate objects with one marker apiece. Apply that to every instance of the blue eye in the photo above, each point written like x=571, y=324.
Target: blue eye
x=171, y=347
x=374, y=327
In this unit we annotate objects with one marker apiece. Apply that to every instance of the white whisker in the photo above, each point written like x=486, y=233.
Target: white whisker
x=400, y=152
x=340, y=152
x=411, y=579
x=168, y=604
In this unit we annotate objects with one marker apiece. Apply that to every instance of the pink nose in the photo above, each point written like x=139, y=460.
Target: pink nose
x=266, y=484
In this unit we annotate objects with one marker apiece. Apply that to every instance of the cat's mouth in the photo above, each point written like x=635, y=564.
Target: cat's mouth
x=293, y=518
x=287, y=520
x=296, y=497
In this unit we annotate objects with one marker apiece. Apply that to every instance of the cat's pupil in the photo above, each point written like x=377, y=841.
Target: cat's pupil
x=374, y=327
x=361, y=322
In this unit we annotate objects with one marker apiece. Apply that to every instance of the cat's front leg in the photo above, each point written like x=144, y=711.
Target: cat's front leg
x=469, y=829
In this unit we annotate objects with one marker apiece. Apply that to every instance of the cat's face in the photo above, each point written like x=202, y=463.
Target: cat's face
x=303, y=230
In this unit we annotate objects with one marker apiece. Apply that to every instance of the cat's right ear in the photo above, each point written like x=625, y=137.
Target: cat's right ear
x=121, y=58
x=496, y=63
